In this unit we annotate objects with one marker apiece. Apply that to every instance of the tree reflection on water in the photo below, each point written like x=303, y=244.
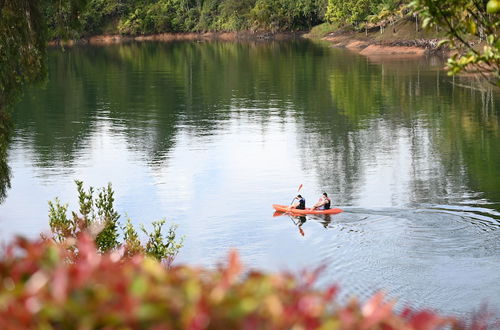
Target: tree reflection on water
x=5, y=135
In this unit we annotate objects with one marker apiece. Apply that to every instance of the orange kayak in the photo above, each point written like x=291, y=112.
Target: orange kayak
x=288, y=209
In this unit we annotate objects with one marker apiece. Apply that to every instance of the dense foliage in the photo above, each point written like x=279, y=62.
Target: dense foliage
x=22, y=47
x=63, y=17
x=48, y=286
x=145, y=17
x=98, y=217
x=358, y=11
x=466, y=23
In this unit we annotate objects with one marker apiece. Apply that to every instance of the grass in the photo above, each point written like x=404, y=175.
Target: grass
x=319, y=31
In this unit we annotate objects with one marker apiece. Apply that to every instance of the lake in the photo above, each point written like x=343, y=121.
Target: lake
x=208, y=135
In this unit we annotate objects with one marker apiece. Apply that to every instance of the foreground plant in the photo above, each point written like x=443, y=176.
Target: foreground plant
x=45, y=285
x=472, y=27
x=98, y=217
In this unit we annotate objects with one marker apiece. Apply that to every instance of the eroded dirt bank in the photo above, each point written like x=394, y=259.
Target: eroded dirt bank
x=402, y=39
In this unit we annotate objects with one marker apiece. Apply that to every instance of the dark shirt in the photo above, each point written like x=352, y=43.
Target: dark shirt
x=302, y=204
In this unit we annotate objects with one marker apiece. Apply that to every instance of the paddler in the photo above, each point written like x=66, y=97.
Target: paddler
x=300, y=204
x=323, y=203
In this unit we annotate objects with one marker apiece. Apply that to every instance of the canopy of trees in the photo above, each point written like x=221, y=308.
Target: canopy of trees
x=359, y=11
x=143, y=16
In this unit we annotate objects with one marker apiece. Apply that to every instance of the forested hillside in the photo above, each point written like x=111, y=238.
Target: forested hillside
x=154, y=16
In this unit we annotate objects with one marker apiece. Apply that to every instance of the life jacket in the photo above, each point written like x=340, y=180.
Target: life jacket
x=328, y=203
x=302, y=204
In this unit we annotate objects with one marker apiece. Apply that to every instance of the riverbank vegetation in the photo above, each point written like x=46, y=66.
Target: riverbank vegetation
x=147, y=17
x=139, y=17
x=135, y=17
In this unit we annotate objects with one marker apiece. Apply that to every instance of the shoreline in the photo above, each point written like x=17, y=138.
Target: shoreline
x=400, y=41
x=110, y=39
x=368, y=44
x=373, y=48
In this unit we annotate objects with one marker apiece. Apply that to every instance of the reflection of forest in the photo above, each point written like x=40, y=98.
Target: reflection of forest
x=350, y=109
x=149, y=90
x=451, y=132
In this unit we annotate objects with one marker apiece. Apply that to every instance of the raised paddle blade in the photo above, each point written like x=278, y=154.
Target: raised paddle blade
x=300, y=187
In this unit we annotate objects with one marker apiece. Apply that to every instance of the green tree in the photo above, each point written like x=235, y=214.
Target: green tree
x=158, y=16
x=472, y=27
x=235, y=14
x=22, y=47
x=62, y=17
x=22, y=54
x=357, y=11
x=286, y=15
x=23, y=39
x=100, y=16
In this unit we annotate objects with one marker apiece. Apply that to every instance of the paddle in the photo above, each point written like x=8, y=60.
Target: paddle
x=300, y=187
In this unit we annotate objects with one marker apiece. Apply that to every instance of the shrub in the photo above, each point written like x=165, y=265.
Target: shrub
x=322, y=30
x=44, y=285
x=98, y=218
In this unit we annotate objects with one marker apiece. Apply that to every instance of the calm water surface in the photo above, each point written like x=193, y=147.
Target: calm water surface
x=209, y=135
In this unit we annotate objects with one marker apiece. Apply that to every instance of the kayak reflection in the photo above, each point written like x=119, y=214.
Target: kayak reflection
x=299, y=220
